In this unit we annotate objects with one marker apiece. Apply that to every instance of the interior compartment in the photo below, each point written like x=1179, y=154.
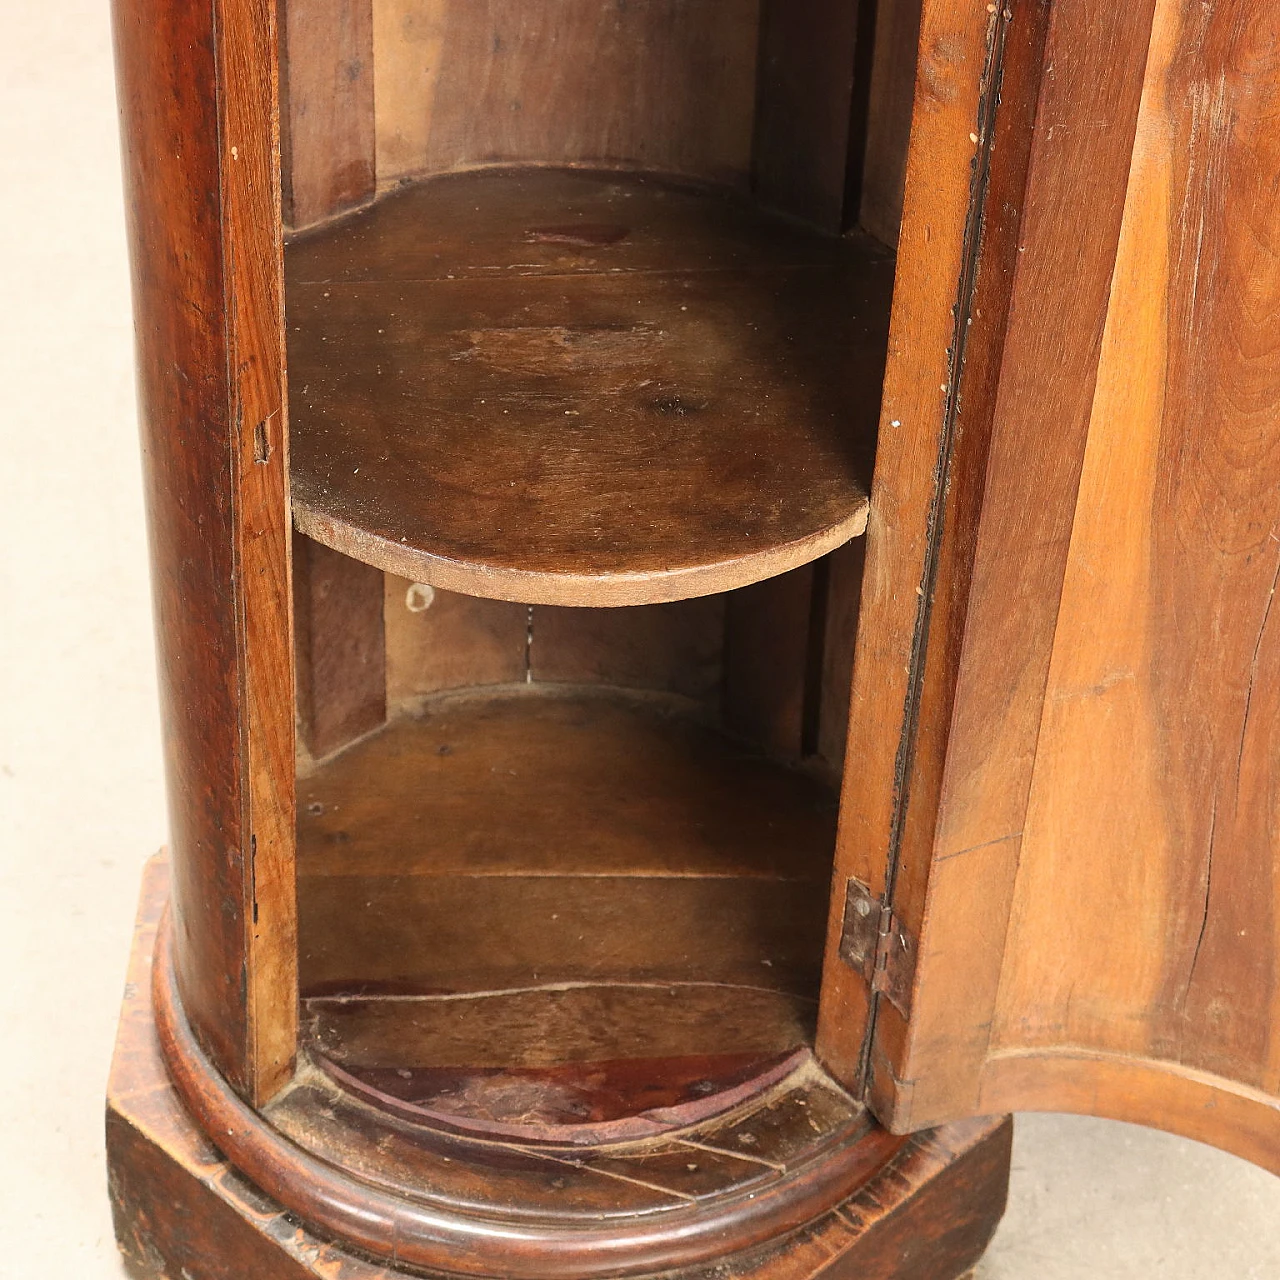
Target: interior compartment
x=574, y=855
x=587, y=307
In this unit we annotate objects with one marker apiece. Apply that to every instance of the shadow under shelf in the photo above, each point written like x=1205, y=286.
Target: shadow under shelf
x=582, y=388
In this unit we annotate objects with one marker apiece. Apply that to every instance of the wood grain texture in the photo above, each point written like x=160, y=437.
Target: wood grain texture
x=180, y=1207
x=252, y=249
x=675, y=648
x=410, y=934
x=660, y=85
x=500, y=841
x=339, y=639
x=197, y=98
x=891, y=95
x=805, y=114
x=457, y=641
x=591, y=782
x=440, y=640
x=600, y=1185
x=957, y=881
x=1007, y=124
x=566, y=388
x=1164, y=670
x=839, y=642
x=819, y=1148
x=581, y=1101
x=768, y=648
x=1010, y=130
x=551, y=1026
x=925, y=475
x=326, y=93
x=1100, y=851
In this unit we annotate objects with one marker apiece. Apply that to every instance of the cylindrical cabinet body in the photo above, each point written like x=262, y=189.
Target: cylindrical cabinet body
x=509, y=381
x=551, y=892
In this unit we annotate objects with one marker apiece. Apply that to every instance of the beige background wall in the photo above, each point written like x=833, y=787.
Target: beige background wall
x=81, y=803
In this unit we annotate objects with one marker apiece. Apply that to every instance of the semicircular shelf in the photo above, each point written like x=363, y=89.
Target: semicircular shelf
x=582, y=388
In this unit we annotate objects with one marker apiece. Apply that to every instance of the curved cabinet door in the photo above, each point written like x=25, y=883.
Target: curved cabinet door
x=1079, y=832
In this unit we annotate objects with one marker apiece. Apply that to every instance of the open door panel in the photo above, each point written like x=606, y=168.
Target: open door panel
x=1075, y=843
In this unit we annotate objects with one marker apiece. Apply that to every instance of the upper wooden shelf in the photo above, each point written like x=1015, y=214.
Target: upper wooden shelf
x=582, y=388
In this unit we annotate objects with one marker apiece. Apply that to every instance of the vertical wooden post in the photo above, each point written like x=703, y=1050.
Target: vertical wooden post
x=199, y=121
x=805, y=108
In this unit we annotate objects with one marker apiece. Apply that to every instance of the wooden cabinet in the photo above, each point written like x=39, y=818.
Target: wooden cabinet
x=591, y=855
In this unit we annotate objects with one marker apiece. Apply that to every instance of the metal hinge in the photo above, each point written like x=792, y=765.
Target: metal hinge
x=875, y=943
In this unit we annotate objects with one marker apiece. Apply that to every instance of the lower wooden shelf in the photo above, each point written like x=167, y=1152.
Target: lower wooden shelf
x=582, y=388
x=795, y=1182
x=532, y=836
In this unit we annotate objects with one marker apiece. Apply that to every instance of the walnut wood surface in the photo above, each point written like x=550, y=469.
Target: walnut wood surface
x=804, y=133
x=1091, y=820
x=548, y=1026
x=791, y=1126
x=839, y=618
x=327, y=107
x=590, y=784
x=593, y=1102
x=677, y=648
x=458, y=641
x=767, y=661
x=928, y=477
x=571, y=388
x=891, y=91
x=663, y=85
x=969, y=843
x=196, y=85
x=340, y=643
x=528, y=837
x=817, y=1144
x=454, y=642
x=181, y=1209
x=1160, y=676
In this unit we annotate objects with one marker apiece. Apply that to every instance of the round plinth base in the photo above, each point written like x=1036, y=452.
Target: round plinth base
x=744, y=1191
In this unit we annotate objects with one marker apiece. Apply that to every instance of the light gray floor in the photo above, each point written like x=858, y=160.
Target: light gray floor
x=81, y=803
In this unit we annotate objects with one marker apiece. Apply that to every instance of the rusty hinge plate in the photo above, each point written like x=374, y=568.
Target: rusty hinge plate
x=877, y=946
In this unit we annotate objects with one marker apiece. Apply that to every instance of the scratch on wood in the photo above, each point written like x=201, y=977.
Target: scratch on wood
x=1253, y=672
x=1204, y=914
x=973, y=848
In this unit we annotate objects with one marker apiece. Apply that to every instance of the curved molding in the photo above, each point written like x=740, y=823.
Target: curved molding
x=1147, y=1091
x=636, y=1128
x=425, y=1234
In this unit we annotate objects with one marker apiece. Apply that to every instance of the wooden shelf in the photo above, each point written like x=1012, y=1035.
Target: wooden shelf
x=582, y=388
x=513, y=885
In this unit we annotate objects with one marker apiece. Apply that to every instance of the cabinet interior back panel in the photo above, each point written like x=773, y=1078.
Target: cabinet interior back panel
x=662, y=85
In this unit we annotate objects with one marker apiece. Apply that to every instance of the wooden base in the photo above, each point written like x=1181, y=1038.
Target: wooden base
x=922, y=1207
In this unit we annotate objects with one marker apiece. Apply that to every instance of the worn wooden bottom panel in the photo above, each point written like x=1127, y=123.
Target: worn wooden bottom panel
x=540, y=1027
x=925, y=1209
